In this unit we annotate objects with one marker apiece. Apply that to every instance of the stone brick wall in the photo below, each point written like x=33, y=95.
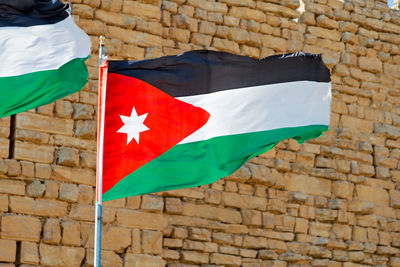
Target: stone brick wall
x=332, y=201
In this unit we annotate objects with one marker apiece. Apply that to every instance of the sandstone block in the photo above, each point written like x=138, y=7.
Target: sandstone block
x=51, y=190
x=74, y=175
x=11, y=228
x=370, y=220
x=142, y=10
x=41, y=207
x=172, y=243
x=247, y=13
x=180, y=35
x=116, y=238
x=239, y=36
x=29, y=253
x=71, y=233
x=88, y=159
x=173, y=206
x=8, y=250
x=52, y=232
x=68, y=192
x=361, y=206
x=42, y=170
x=142, y=220
x=325, y=33
x=63, y=109
x=370, y=64
x=301, y=226
x=325, y=22
x=308, y=185
x=226, y=45
x=255, y=242
x=251, y=217
x=343, y=189
x=213, y=213
x=12, y=187
x=199, y=234
x=28, y=169
x=3, y=203
x=83, y=11
x=140, y=260
x=184, y=22
x=274, y=43
x=112, y=5
x=152, y=203
x=85, y=129
x=201, y=39
x=395, y=199
x=320, y=229
x=33, y=152
x=195, y=257
x=61, y=256
x=118, y=19
x=68, y=157
x=342, y=231
x=378, y=196
x=260, y=174
x=209, y=6
x=40, y=123
x=135, y=37
x=356, y=124
x=223, y=259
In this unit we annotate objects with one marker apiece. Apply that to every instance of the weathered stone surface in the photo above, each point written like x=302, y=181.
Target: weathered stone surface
x=308, y=185
x=52, y=232
x=29, y=253
x=224, y=215
x=140, y=260
x=40, y=123
x=82, y=176
x=33, y=152
x=41, y=207
x=378, y=196
x=116, y=238
x=11, y=228
x=12, y=187
x=142, y=220
x=60, y=256
x=8, y=250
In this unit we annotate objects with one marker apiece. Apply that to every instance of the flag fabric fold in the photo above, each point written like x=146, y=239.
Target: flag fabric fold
x=42, y=54
x=191, y=119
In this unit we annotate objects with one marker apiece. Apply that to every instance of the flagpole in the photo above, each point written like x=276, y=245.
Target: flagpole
x=103, y=66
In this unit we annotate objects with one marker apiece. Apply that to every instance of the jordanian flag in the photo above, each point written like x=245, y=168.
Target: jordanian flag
x=42, y=54
x=191, y=119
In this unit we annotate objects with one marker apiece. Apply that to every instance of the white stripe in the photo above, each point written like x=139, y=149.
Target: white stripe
x=41, y=47
x=262, y=108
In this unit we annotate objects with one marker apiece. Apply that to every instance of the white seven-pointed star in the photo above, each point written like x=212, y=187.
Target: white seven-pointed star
x=133, y=126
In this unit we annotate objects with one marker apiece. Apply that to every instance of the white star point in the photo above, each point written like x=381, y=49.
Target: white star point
x=133, y=126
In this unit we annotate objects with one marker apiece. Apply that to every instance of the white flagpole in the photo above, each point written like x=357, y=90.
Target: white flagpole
x=103, y=66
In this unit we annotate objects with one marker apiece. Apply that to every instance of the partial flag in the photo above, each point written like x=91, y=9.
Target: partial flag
x=191, y=119
x=42, y=54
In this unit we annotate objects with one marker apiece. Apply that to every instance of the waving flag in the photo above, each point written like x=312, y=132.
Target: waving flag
x=42, y=54
x=188, y=120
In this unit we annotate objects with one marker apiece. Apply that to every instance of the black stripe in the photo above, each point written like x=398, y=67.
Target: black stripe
x=202, y=71
x=24, y=13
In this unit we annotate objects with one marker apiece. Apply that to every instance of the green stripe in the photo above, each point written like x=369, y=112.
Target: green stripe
x=24, y=92
x=204, y=162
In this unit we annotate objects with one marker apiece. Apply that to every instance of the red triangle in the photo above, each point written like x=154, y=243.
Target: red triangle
x=169, y=121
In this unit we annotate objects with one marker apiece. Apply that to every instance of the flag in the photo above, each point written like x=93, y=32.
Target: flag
x=191, y=119
x=42, y=54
